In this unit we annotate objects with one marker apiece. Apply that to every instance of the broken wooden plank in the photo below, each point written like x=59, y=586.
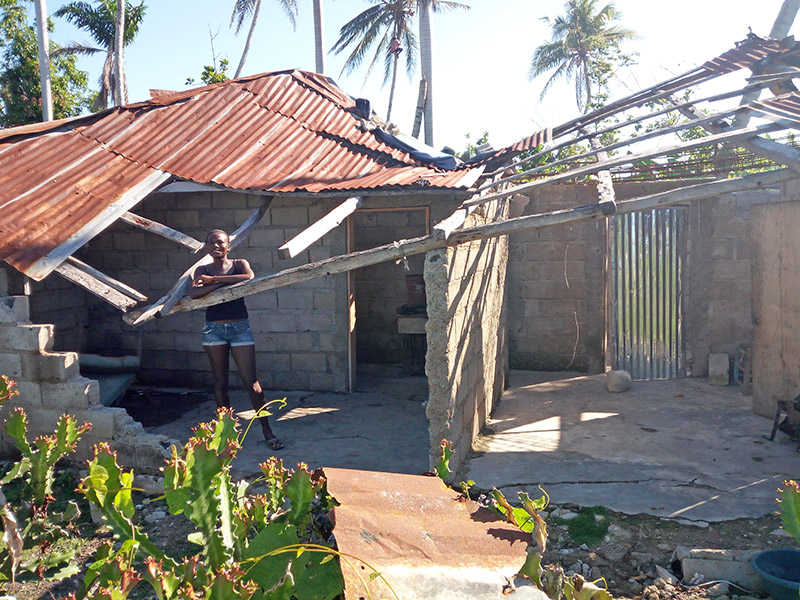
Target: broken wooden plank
x=94, y=286
x=162, y=230
x=316, y=230
x=444, y=228
x=42, y=267
x=737, y=134
x=420, y=245
x=164, y=304
x=109, y=281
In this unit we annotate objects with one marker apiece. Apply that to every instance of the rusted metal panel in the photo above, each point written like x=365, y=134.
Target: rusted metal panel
x=746, y=54
x=287, y=132
x=414, y=529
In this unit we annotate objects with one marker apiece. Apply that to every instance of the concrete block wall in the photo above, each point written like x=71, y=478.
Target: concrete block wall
x=50, y=385
x=556, y=281
x=467, y=357
x=300, y=330
x=555, y=288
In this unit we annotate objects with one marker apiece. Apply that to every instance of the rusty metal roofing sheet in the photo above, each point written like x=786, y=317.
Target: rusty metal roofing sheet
x=285, y=132
x=781, y=107
x=747, y=53
x=420, y=535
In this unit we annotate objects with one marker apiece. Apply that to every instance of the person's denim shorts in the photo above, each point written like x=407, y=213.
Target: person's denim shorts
x=236, y=334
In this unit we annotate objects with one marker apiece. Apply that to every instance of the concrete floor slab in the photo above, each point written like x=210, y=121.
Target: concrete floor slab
x=381, y=427
x=675, y=448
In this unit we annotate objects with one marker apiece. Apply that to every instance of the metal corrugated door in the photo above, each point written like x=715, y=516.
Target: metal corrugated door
x=647, y=257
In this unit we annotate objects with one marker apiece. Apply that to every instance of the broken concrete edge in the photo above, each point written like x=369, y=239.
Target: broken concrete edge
x=704, y=565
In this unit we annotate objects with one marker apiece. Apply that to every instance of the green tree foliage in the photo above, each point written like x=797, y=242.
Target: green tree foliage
x=100, y=21
x=585, y=48
x=212, y=73
x=20, y=87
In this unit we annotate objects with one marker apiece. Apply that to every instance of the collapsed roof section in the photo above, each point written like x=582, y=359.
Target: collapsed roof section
x=296, y=133
x=63, y=182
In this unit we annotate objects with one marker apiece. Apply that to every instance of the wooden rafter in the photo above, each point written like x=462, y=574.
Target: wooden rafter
x=162, y=230
x=319, y=228
x=109, y=281
x=94, y=286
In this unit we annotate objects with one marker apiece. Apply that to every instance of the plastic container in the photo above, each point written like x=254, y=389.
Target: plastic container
x=779, y=570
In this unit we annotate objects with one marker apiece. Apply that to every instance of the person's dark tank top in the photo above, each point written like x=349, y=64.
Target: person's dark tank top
x=235, y=310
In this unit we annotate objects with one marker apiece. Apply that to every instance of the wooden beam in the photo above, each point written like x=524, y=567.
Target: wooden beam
x=316, y=230
x=397, y=250
x=128, y=199
x=94, y=286
x=728, y=136
x=162, y=230
x=109, y=281
x=444, y=228
x=775, y=151
x=164, y=304
x=605, y=186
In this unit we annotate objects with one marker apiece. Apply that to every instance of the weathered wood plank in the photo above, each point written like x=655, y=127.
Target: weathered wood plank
x=399, y=249
x=109, y=281
x=164, y=304
x=316, y=230
x=737, y=134
x=162, y=230
x=94, y=286
x=128, y=199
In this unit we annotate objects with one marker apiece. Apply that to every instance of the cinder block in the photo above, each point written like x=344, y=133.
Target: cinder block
x=103, y=421
x=718, y=369
x=50, y=367
x=314, y=362
x=150, y=457
x=11, y=365
x=27, y=337
x=14, y=309
x=77, y=393
x=30, y=393
x=735, y=568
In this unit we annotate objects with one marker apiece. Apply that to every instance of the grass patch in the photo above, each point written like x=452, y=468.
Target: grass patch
x=589, y=527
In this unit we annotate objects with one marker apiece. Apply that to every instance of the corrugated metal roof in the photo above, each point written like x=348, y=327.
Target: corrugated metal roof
x=282, y=132
x=747, y=53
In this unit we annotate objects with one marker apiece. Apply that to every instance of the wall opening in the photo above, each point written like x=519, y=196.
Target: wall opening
x=381, y=293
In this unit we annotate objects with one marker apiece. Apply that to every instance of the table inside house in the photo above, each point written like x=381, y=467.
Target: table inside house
x=411, y=327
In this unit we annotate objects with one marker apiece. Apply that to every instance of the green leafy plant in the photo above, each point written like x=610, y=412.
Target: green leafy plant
x=790, y=508
x=250, y=545
x=32, y=530
x=590, y=526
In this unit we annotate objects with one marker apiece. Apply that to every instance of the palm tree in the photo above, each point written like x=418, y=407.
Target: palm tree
x=426, y=51
x=101, y=23
x=386, y=26
x=319, y=44
x=242, y=9
x=584, y=43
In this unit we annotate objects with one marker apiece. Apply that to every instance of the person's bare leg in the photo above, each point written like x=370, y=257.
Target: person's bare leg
x=218, y=357
x=245, y=358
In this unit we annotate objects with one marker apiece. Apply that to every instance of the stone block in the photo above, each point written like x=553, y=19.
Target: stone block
x=14, y=309
x=315, y=362
x=30, y=393
x=295, y=299
x=734, y=567
x=718, y=369
x=78, y=393
x=150, y=456
x=296, y=216
x=50, y=367
x=103, y=420
x=27, y=337
x=618, y=381
x=11, y=365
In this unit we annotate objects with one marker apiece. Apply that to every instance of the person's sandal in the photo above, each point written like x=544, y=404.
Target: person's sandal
x=275, y=444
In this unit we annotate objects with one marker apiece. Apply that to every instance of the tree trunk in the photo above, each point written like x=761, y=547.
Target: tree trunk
x=391, y=91
x=319, y=45
x=249, y=39
x=426, y=58
x=44, y=59
x=119, y=43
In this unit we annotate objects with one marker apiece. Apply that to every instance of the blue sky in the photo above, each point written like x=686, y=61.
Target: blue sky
x=481, y=55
